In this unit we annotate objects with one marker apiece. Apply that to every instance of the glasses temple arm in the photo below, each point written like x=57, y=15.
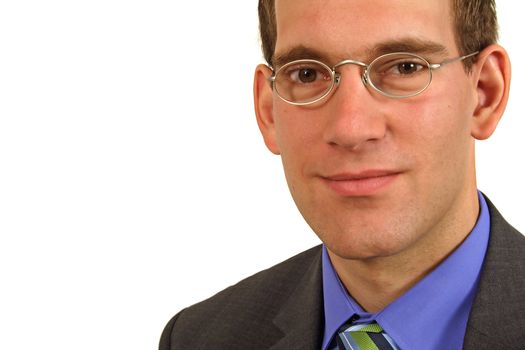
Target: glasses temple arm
x=450, y=60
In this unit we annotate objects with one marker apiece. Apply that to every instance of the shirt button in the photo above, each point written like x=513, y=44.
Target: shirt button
x=354, y=318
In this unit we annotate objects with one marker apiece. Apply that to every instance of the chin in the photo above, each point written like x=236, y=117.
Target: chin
x=360, y=253
x=365, y=244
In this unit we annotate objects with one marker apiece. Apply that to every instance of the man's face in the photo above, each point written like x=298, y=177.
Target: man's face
x=375, y=176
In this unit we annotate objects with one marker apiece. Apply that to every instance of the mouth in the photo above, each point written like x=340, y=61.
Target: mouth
x=361, y=184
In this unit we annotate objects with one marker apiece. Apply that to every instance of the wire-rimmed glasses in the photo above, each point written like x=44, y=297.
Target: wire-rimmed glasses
x=395, y=75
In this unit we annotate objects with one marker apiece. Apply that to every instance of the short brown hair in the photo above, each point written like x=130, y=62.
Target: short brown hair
x=475, y=25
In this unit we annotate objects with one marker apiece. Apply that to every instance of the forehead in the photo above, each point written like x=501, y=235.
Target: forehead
x=349, y=28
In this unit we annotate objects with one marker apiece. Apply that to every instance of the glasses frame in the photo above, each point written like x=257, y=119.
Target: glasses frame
x=365, y=77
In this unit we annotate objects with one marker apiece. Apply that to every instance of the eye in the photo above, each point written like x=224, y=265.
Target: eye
x=305, y=73
x=406, y=68
x=399, y=65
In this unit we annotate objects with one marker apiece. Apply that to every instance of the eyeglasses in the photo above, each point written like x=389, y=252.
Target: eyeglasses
x=395, y=75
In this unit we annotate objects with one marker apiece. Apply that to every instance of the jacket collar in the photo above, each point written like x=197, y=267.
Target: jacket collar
x=301, y=316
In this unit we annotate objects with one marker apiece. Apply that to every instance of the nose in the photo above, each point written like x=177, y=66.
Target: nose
x=353, y=117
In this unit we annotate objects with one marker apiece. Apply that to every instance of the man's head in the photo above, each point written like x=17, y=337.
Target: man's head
x=474, y=21
x=373, y=175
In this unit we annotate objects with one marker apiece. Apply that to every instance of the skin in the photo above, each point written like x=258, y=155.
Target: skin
x=388, y=185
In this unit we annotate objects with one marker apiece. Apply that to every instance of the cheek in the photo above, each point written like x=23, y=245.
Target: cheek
x=299, y=136
x=297, y=131
x=441, y=136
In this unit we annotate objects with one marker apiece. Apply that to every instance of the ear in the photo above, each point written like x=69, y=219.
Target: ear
x=492, y=70
x=263, y=101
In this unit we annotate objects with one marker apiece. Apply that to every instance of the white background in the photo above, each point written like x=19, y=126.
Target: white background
x=133, y=179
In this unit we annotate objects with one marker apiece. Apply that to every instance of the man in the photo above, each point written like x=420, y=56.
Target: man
x=374, y=107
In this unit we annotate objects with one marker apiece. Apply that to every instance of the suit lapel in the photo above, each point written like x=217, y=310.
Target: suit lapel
x=301, y=318
x=498, y=308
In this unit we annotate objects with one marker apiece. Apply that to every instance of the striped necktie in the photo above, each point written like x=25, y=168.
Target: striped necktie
x=364, y=337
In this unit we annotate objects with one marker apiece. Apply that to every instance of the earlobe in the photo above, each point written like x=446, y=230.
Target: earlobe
x=263, y=101
x=493, y=82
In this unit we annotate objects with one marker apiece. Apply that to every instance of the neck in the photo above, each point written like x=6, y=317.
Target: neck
x=376, y=282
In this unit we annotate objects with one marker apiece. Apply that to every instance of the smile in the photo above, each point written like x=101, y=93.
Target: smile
x=361, y=184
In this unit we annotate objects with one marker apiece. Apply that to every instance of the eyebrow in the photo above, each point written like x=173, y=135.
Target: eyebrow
x=298, y=53
x=409, y=44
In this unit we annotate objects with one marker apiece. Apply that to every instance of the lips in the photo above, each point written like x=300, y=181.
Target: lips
x=359, y=184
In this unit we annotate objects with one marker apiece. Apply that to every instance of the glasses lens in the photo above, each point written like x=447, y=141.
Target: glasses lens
x=303, y=81
x=400, y=74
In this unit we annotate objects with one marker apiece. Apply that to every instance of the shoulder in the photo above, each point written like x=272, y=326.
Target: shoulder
x=504, y=266
x=506, y=244
x=499, y=299
x=253, y=301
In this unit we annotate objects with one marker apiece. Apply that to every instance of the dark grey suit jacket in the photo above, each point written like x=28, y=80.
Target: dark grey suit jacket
x=282, y=307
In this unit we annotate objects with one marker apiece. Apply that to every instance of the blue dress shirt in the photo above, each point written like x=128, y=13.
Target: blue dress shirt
x=433, y=314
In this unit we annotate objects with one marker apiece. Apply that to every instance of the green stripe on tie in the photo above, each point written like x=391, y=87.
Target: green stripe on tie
x=363, y=340
x=373, y=327
x=364, y=337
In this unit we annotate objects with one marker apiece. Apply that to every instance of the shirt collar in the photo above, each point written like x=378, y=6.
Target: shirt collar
x=433, y=313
